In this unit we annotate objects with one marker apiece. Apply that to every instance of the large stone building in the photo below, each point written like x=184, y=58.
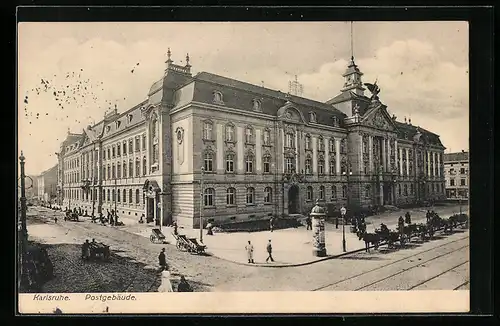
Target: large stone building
x=256, y=152
x=47, y=185
x=456, y=171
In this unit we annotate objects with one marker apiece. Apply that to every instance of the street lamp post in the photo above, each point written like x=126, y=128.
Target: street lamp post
x=342, y=213
x=201, y=203
x=23, y=234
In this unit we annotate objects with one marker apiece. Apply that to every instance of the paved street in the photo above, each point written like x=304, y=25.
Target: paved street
x=438, y=264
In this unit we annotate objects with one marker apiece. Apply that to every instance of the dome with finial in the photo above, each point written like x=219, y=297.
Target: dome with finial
x=318, y=210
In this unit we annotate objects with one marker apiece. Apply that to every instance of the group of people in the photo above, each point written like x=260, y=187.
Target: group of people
x=430, y=215
x=86, y=249
x=111, y=218
x=166, y=283
x=250, y=249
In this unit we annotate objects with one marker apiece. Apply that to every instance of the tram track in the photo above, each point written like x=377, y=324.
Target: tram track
x=396, y=262
x=461, y=285
x=438, y=275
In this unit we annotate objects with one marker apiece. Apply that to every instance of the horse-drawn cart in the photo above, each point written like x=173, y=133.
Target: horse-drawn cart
x=189, y=244
x=72, y=216
x=99, y=249
x=157, y=236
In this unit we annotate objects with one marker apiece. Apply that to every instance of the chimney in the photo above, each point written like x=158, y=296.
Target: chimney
x=409, y=121
x=405, y=120
x=463, y=151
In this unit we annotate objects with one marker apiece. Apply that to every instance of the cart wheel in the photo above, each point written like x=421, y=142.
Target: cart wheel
x=152, y=238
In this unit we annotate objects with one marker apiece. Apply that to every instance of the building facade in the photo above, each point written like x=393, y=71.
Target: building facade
x=47, y=185
x=215, y=147
x=456, y=171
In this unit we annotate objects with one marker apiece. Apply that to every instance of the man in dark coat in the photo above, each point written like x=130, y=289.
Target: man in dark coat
x=407, y=218
x=162, y=260
x=184, y=285
x=269, y=252
x=271, y=224
x=308, y=223
x=401, y=224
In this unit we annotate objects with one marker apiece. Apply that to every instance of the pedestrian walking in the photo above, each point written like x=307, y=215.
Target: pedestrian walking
x=249, y=249
x=271, y=224
x=162, y=260
x=269, y=252
x=175, y=228
x=86, y=250
x=111, y=220
x=336, y=222
x=209, y=228
x=166, y=283
x=308, y=223
x=55, y=219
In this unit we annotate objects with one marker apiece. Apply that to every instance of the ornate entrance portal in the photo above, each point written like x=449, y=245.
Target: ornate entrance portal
x=293, y=200
x=151, y=193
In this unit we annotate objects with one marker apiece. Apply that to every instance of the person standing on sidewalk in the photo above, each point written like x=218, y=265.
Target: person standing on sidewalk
x=336, y=222
x=249, y=249
x=308, y=223
x=269, y=252
x=162, y=260
x=407, y=218
x=271, y=224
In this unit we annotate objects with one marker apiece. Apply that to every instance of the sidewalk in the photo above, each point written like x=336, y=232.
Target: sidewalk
x=291, y=247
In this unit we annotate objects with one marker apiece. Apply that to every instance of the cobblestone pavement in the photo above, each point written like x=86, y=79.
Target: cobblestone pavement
x=134, y=262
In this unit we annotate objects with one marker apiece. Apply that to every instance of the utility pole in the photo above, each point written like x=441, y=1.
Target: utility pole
x=202, y=203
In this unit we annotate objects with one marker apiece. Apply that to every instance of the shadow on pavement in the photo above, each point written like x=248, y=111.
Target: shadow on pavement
x=365, y=257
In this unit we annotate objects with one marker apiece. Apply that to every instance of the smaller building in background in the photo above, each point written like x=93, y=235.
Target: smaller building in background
x=456, y=171
x=47, y=185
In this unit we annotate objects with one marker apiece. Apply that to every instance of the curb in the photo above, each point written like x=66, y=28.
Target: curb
x=308, y=262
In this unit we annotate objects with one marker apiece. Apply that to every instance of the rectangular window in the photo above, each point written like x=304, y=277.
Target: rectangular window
x=207, y=131
x=230, y=163
x=249, y=164
x=462, y=182
x=290, y=141
x=118, y=150
x=124, y=148
x=267, y=164
x=452, y=182
x=143, y=142
x=208, y=197
x=290, y=164
x=462, y=170
x=137, y=144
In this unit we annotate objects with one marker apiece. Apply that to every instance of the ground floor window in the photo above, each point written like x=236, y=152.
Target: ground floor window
x=230, y=195
x=309, y=193
x=268, y=195
x=250, y=196
x=208, y=197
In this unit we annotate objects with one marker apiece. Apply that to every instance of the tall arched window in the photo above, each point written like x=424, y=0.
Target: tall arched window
x=309, y=193
x=333, y=167
x=321, y=192
x=137, y=167
x=109, y=171
x=230, y=196
x=230, y=162
x=368, y=191
x=266, y=162
x=405, y=189
x=321, y=165
x=308, y=165
x=124, y=196
x=343, y=146
x=334, y=192
x=268, y=195
x=144, y=166
x=344, y=191
x=249, y=163
x=207, y=130
x=130, y=168
x=250, y=197
x=230, y=133
x=130, y=145
x=130, y=199
x=208, y=161
x=137, y=197
x=113, y=195
x=118, y=196
x=124, y=169
x=118, y=170
x=308, y=142
x=124, y=147
x=208, y=197
x=113, y=169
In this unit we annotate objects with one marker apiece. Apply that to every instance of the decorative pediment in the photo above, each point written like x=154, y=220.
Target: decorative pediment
x=290, y=113
x=379, y=119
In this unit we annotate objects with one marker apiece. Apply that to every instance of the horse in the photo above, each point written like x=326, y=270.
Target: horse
x=409, y=230
x=422, y=231
x=369, y=238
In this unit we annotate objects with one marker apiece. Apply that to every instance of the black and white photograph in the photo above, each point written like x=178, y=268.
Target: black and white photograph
x=221, y=157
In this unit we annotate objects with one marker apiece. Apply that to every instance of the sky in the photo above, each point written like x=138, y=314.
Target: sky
x=69, y=74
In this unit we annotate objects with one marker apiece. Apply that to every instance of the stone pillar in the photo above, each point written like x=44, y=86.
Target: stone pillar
x=337, y=158
x=283, y=148
x=219, y=163
x=407, y=162
x=240, y=150
x=361, y=163
x=438, y=165
x=315, y=155
x=370, y=153
x=381, y=192
x=258, y=151
x=434, y=164
x=296, y=152
x=388, y=160
x=428, y=164
x=384, y=156
x=327, y=156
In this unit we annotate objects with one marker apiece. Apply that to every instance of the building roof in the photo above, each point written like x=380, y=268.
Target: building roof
x=454, y=157
x=52, y=169
x=408, y=131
